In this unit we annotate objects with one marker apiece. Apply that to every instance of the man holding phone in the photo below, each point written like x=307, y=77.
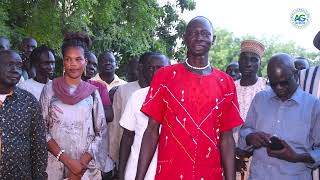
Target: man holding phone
x=282, y=126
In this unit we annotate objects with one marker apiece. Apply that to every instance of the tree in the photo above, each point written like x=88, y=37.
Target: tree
x=227, y=49
x=126, y=27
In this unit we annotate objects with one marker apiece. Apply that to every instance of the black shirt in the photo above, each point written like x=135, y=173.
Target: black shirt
x=24, y=152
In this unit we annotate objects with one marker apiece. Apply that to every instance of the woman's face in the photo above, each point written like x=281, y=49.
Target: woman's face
x=74, y=62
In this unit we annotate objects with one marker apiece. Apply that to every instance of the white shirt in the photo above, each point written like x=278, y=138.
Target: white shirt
x=134, y=120
x=32, y=86
x=116, y=81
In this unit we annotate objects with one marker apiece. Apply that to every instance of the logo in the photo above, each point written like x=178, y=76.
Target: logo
x=300, y=18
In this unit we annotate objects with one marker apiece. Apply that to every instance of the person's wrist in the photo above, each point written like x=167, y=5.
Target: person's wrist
x=297, y=158
x=65, y=160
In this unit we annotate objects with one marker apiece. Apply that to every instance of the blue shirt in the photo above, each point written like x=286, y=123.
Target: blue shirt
x=296, y=120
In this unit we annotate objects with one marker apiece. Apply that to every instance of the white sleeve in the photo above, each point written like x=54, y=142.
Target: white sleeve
x=128, y=120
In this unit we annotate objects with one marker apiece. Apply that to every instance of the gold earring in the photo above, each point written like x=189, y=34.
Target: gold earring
x=63, y=71
x=85, y=71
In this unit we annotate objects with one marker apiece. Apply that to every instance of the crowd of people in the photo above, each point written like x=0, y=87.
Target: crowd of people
x=182, y=121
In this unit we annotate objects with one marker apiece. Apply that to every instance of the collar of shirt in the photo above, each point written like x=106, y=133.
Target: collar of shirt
x=296, y=97
x=98, y=78
x=4, y=96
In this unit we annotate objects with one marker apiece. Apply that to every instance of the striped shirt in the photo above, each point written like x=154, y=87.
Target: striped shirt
x=310, y=80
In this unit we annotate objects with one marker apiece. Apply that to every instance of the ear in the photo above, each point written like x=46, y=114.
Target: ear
x=214, y=37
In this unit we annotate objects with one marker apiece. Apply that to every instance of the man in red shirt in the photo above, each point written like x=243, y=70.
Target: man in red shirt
x=197, y=107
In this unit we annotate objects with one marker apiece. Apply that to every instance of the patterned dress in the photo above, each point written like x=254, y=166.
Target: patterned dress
x=77, y=129
x=193, y=110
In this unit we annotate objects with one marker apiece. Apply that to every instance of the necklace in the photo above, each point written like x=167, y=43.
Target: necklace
x=197, y=68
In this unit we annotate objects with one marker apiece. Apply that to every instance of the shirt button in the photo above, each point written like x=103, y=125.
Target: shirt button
x=278, y=121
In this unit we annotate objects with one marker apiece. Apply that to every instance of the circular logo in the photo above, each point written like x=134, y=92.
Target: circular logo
x=300, y=18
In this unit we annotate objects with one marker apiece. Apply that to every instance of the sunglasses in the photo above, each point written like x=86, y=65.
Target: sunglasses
x=284, y=83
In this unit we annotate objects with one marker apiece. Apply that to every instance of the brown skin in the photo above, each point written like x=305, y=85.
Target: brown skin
x=233, y=71
x=27, y=46
x=301, y=63
x=10, y=71
x=198, y=37
x=149, y=69
x=45, y=67
x=282, y=75
x=74, y=63
x=249, y=64
x=107, y=67
x=133, y=69
x=91, y=69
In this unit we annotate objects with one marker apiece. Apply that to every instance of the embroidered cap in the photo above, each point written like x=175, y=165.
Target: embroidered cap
x=252, y=46
x=316, y=41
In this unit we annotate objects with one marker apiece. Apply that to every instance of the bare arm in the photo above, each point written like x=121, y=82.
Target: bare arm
x=108, y=111
x=74, y=166
x=125, y=150
x=227, y=149
x=148, y=147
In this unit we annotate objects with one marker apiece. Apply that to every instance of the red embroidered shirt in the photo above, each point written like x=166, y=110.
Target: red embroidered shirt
x=193, y=110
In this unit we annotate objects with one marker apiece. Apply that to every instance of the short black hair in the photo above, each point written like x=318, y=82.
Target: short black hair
x=6, y=53
x=145, y=56
x=199, y=17
x=36, y=53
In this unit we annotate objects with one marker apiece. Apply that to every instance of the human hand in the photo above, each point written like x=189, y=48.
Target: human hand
x=286, y=153
x=74, y=166
x=242, y=158
x=258, y=139
x=85, y=160
x=73, y=177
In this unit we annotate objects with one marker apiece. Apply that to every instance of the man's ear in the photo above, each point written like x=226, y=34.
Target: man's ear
x=296, y=74
x=214, y=37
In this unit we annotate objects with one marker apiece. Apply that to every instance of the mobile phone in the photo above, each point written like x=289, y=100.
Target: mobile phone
x=275, y=143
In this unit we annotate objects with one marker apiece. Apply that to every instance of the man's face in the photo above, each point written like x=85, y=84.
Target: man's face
x=107, y=64
x=283, y=82
x=133, y=71
x=199, y=37
x=154, y=63
x=4, y=44
x=46, y=64
x=92, y=66
x=28, y=46
x=233, y=71
x=10, y=69
x=249, y=64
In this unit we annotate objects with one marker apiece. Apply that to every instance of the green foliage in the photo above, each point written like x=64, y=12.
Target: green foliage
x=126, y=27
x=227, y=48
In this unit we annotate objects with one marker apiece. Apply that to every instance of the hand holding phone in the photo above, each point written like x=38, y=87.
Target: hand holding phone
x=275, y=143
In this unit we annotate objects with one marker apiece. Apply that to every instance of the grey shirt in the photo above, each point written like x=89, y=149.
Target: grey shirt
x=296, y=120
